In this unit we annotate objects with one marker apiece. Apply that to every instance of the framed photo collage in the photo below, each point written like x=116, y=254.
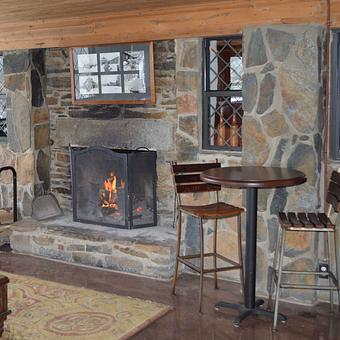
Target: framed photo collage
x=112, y=74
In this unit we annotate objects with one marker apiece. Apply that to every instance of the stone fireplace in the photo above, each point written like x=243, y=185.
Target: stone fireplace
x=56, y=125
x=114, y=187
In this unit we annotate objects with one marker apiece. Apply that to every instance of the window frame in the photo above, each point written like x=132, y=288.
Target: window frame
x=3, y=135
x=335, y=96
x=207, y=94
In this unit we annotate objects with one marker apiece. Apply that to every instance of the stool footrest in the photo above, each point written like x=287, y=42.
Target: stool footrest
x=302, y=286
x=184, y=259
x=313, y=287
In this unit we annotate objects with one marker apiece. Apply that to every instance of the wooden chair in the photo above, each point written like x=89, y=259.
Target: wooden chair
x=187, y=180
x=308, y=222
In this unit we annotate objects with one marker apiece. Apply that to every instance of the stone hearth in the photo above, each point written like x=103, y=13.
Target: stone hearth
x=147, y=251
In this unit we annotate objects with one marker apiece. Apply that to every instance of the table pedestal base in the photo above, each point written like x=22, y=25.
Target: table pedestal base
x=245, y=312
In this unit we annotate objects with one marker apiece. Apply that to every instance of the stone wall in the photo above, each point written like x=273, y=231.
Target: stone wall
x=178, y=107
x=144, y=251
x=275, y=131
x=64, y=114
x=188, y=149
x=40, y=123
x=27, y=119
x=282, y=127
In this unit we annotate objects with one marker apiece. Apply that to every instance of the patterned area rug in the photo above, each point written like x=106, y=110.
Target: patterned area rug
x=48, y=310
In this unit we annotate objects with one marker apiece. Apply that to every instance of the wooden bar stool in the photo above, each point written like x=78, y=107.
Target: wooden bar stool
x=187, y=180
x=314, y=223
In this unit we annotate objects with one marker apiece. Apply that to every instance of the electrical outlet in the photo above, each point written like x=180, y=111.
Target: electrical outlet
x=323, y=269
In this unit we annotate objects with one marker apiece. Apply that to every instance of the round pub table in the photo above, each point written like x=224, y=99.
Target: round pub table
x=251, y=178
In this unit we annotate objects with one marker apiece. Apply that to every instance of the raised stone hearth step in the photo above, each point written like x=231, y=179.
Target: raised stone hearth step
x=146, y=251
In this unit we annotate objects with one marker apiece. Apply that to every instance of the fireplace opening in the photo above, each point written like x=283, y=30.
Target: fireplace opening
x=114, y=187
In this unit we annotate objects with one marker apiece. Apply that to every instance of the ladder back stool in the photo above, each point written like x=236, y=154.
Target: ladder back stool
x=313, y=223
x=187, y=179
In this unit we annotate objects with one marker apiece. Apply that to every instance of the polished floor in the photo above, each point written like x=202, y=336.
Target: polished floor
x=184, y=322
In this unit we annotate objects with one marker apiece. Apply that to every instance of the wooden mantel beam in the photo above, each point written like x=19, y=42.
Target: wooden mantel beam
x=42, y=24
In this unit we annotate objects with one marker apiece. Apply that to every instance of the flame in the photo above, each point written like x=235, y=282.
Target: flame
x=110, y=183
x=108, y=196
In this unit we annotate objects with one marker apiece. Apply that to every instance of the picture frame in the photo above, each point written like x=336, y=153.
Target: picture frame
x=113, y=74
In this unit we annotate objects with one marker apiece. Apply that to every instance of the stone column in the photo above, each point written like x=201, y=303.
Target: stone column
x=40, y=122
x=188, y=149
x=188, y=97
x=17, y=73
x=27, y=121
x=17, y=68
x=282, y=93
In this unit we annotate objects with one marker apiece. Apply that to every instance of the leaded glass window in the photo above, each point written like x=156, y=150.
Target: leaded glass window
x=3, y=111
x=222, y=93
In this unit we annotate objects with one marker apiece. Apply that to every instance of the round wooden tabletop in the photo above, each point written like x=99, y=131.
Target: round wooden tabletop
x=253, y=177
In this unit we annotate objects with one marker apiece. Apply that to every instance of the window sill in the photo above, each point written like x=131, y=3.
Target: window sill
x=226, y=152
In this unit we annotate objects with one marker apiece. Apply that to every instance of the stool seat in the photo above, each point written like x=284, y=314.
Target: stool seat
x=313, y=222
x=214, y=210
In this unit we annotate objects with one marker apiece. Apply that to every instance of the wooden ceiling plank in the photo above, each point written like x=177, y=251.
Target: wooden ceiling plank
x=143, y=22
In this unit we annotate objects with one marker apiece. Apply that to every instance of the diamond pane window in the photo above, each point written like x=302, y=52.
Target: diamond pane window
x=222, y=95
x=3, y=111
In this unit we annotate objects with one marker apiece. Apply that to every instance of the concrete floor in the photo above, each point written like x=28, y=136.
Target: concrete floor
x=184, y=322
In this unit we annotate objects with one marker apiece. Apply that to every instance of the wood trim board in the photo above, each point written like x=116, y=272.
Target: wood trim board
x=66, y=23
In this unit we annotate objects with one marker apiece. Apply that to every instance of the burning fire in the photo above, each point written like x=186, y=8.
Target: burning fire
x=109, y=195
x=110, y=184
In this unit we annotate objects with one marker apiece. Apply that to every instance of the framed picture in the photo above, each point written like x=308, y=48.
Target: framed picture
x=114, y=74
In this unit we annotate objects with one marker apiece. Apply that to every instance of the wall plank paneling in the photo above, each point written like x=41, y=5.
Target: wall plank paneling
x=65, y=23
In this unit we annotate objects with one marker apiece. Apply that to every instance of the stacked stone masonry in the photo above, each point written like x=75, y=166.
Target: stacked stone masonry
x=282, y=126
x=177, y=108
x=282, y=99
x=26, y=147
x=178, y=105
x=62, y=111
x=148, y=252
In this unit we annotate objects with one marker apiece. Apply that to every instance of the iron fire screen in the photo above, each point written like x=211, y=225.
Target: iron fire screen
x=114, y=187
